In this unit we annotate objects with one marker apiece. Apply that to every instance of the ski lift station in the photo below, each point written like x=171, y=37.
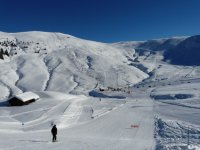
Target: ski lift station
x=23, y=99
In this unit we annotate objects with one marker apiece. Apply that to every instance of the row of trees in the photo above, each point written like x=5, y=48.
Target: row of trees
x=2, y=52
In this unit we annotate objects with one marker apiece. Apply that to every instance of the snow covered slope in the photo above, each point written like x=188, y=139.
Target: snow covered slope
x=178, y=50
x=83, y=123
x=124, y=95
x=173, y=85
x=153, y=45
x=41, y=61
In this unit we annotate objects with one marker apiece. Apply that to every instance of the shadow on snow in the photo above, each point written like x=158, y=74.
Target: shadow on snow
x=101, y=95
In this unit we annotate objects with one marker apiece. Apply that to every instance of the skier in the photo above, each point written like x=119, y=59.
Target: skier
x=54, y=133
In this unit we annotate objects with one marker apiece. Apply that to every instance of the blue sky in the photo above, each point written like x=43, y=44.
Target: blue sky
x=103, y=20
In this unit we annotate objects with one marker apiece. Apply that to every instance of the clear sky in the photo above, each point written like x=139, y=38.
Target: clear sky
x=103, y=20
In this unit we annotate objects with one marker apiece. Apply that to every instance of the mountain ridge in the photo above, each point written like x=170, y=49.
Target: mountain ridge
x=176, y=50
x=64, y=63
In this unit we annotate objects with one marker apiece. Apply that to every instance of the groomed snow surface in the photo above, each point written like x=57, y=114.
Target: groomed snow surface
x=83, y=123
x=100, y=96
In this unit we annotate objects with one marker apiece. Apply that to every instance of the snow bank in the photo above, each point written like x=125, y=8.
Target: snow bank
x=174, y=134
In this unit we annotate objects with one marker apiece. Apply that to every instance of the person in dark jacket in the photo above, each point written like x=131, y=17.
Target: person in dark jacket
x=54, y=133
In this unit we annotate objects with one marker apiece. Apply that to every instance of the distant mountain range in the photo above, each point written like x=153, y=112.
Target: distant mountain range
x=177, y=50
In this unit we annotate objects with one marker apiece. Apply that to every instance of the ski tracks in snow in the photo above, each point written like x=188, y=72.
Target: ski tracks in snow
x=71, y=114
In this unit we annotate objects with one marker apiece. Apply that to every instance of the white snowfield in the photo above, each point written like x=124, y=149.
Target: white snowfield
x=100, y=96
x=83, y=123
x=38, y=60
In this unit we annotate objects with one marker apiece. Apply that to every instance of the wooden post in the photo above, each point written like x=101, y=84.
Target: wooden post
x=188, y=137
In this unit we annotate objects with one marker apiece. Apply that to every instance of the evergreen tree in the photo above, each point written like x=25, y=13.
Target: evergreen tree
x=1, y=53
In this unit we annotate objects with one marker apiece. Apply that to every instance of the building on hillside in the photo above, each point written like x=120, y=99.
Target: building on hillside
x=23, y=99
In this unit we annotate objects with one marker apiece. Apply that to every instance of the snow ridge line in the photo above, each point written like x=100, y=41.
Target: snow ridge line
x=20, y=75
x=9, y=89
x=77, y=83
x=50, y=71
x=71, y=114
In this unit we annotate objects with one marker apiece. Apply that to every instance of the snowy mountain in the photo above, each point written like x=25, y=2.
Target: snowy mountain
x=154, y=45
x=178, y=50
x=41, y=61
x=126, y=95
